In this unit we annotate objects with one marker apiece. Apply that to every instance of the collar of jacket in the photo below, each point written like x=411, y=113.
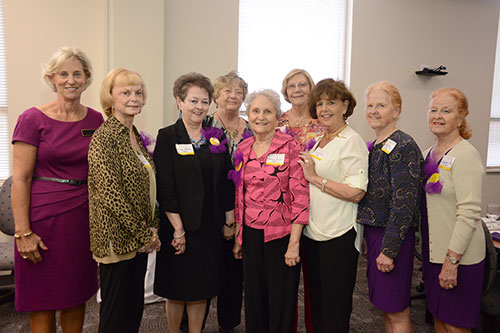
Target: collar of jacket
x=118, y=128
x=279, y=140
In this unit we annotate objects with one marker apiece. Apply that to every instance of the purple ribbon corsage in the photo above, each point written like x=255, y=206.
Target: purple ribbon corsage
x=434, y=185
x=369, y=145
x=235, y=175
x=309, y=145
x=215, y=136
x=246, y=134
x=148, y=142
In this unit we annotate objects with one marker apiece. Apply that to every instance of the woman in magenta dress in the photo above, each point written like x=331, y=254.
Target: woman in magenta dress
x=268, y=179
x=54, y=269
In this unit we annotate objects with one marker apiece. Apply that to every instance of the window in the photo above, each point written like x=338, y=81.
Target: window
x=280, y=35
x=4, y=128
x=493, y=160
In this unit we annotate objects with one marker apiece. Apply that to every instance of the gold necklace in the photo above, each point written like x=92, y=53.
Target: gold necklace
x=329, y=136
x=232, y=134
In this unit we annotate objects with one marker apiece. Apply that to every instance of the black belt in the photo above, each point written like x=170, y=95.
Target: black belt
x=64, y=181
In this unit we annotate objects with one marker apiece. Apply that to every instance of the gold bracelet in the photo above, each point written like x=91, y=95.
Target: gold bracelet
x=27, y=234
x=153, y=239
x=177, y=237
x=323, y=183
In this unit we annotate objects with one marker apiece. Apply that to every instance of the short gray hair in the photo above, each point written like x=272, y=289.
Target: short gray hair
x=271, y=95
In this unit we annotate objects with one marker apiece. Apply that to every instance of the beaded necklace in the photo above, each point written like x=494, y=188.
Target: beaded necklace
x=199, y=143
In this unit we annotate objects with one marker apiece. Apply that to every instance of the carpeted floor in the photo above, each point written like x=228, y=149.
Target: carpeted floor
x=365, y=318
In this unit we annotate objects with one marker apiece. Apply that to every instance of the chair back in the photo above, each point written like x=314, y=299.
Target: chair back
x=6, y=216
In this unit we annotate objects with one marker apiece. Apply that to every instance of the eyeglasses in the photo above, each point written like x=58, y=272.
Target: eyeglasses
x=293, y=86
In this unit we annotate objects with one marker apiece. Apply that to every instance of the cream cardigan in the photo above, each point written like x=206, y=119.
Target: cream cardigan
x=454, y=214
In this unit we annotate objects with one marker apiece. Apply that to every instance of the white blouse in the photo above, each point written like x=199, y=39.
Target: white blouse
x=343, y=160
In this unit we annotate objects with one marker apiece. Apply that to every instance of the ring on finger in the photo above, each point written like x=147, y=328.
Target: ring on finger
x=307, y=161
x=25, y=257
x=451, y=286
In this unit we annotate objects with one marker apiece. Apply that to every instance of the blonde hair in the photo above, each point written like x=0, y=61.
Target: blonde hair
x=463, y=108
x=291, y=74
x=63, y=54
x=119, y=76
x=223, y=81
x=390, y=90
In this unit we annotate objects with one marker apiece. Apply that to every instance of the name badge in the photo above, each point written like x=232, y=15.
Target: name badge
x=184, y=149
x=275, y=159
x=389, y=146
x=144, y=160
x=318, y=154
x=447, y=162
x=87, y=132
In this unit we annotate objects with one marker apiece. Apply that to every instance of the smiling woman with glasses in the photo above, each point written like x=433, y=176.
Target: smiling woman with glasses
x=297, y=122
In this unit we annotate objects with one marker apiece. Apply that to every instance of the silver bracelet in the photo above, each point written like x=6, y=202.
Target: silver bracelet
x=177, y=237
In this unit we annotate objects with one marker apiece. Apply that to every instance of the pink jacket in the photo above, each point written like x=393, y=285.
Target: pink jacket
x=285, y=193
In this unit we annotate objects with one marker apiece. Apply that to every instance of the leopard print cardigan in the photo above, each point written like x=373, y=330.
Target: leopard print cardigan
x=119, y=203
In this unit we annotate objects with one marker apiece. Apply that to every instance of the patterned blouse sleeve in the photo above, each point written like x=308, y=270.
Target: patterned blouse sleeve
x=405, y=163
x=299, y=187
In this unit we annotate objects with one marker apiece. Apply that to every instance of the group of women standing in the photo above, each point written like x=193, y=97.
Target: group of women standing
x=234, y=199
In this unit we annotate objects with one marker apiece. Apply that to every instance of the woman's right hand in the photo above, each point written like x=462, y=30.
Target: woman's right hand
x=179, y=242
x=27, y=246
x=237, y=250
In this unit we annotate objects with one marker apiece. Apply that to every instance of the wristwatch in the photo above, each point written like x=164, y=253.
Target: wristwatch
x=452, y=259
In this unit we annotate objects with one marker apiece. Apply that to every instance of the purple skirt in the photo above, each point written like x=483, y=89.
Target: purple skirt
x=461, y=305
x=67, y=275
x=389, y=292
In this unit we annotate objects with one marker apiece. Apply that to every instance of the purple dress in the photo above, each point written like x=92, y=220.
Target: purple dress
x=59, y=214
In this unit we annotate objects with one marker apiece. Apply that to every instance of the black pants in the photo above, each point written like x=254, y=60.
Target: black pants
x=231, y=295
x=331, y=267
x=270, y=285
x=122, y=293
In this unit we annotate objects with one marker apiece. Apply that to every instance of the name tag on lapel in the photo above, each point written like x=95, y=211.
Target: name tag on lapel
x=184, y=149
x=87, y=132
x=144, y=161
x=275, y=159
x=447, y=162
x=389, y=146
x=318, y=154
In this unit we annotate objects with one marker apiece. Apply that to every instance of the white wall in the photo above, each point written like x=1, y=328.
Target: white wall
x=136, y=42
x=200, y=36
x=392, y=38
x=164, y=39
x=34, y=30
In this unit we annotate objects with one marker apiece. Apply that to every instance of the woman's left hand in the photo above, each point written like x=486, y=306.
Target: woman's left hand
x=384, y=263
x=292, y=255
x=228, y=232
x=448, y=275
x=179, y=243
x=308, y=165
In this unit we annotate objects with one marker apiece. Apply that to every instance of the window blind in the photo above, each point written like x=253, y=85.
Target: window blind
x=277, y=36
x=4, y=128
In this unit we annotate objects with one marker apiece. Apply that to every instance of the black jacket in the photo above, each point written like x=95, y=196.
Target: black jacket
x=179, y=180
